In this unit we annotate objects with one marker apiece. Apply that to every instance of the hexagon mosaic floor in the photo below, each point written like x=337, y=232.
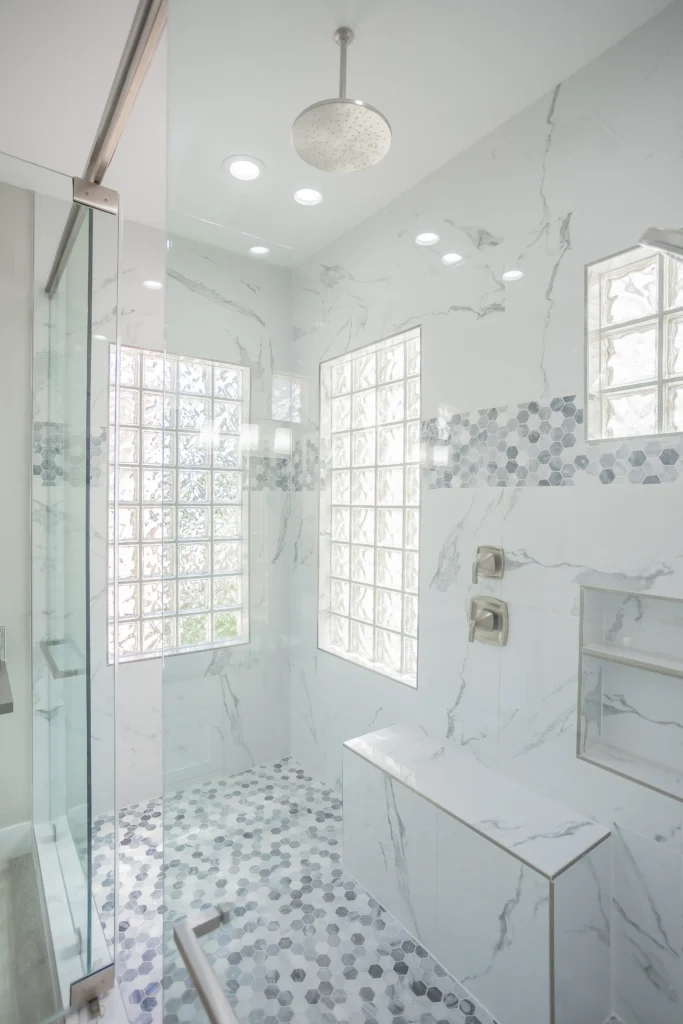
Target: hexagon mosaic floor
x=305, y=942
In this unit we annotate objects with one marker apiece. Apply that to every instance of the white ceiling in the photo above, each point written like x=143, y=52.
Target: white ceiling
x=445, y=73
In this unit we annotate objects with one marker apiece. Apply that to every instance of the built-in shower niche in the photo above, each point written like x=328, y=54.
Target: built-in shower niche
x=631, y=687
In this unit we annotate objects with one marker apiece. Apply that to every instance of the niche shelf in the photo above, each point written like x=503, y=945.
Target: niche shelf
x=631, y=687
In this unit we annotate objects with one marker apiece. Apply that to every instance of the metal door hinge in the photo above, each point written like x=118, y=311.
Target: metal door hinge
x=87, y=193
x=87, y=991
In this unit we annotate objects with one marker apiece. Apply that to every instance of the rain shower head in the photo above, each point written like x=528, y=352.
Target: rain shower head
x=341, y=135
x=666, y=240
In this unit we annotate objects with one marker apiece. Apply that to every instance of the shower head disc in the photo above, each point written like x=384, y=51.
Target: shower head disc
x=341, y=135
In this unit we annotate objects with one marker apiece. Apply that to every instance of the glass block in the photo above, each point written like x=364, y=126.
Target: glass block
x=227, y=625
x=227, y=556
x=193, y=559
x=390, y=527
x=193, y=413
x=673, y=272
x=193, y=522
x=129, y=408
x=339, y=597
x=410, y=615
x=391, y=363
x=193, y=595
x=388, y=649
x=362, y=640
x=227, y=417
x=630, y=414
x=363, y=487
x=339, y=632
x=341, y=487
x=227, y=522
x=411, y=571
x=363, y=564
x=364, y=371
x=128, y=524
x=390, y=445
x=192, y=450
x=364, y=409
x=129, y=561
x=341, y=378
x=412, y=481
x=194, y=377
x=227, y=382
x=281, y=399
x=390, y=403
x=363, y=526
x=388, y=605
x=341, y=450
x=297, y=406
x=630, y=292
x=364, y=447
x=412, y=528
x=226, y=454
x=362, y=602
x=129, y=368
x=227, y=591
x=409, y=656
x=128, y=484
x=157, y=523
x=158, y=560
x=412, y=408
x=413, y=356
x=340, y=524
x=339, y=560
x=389, y=568
x=152, y=636
x=156, y=411
x=673, y=406
x=157, y=374
x=193, y=485
x=413, y=441
x=227, y=487
x=158, y=485
x=629, y=355
x=158, y=597
x=157, y=448
x=193, y=630
x=673, y=329
x=390, y=485
x=129, y=600
x=129, y=639
x=341, y=414
x=129, y=445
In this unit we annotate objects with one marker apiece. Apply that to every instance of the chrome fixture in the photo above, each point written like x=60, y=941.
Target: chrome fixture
x=488, y=621
x=666, y=240
x=341, y=135
x=488, y=562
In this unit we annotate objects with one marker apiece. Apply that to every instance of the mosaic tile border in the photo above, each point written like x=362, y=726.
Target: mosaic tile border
x=539, y=445
x=60, y=457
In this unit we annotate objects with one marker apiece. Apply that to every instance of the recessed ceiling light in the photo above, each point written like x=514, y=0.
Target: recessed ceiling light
x=244, y=168
x=451, y=259
x=259, y=250
x=427, y=238
x=513, y=275
x=308, y=197
x=154, y=286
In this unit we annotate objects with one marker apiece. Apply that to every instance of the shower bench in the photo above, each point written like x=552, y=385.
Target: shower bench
x=507, y=889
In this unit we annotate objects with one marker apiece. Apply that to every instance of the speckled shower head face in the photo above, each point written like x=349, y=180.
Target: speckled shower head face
x=341, y=135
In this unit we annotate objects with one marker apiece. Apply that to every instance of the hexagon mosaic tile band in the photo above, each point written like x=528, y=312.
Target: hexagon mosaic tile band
x=306, y=942
x=539, y=445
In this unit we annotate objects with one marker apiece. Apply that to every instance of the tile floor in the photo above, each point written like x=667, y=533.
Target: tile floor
x=305, y=943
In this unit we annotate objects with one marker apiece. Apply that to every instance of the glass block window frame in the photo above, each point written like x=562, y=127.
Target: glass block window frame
x=634, y=345
x=178, y=522
x=370, y=430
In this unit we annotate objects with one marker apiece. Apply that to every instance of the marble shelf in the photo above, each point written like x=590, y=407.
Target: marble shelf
x=638, y=659
x=659, y=777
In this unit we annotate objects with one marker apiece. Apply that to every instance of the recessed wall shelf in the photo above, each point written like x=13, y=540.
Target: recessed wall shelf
x=631, y=687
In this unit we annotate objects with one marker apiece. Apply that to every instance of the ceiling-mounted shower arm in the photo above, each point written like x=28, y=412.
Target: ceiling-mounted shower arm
x=343, y=36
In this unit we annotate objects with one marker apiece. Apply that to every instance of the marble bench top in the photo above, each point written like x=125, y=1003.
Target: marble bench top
x=545, y=835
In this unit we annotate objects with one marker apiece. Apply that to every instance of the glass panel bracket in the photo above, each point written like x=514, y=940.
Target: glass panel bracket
x=88, y=990
x=97, y=197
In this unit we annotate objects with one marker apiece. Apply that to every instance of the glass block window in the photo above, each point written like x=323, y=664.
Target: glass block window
x=181, y=510
x=287, y=399
x=369, y=506
x=634, y=310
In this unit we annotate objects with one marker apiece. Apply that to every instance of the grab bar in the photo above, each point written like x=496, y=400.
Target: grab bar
x=6, y=699
x=56, y=671
x=186, y=935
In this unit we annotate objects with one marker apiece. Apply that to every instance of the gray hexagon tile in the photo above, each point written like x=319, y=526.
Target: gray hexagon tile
x=305, y=942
